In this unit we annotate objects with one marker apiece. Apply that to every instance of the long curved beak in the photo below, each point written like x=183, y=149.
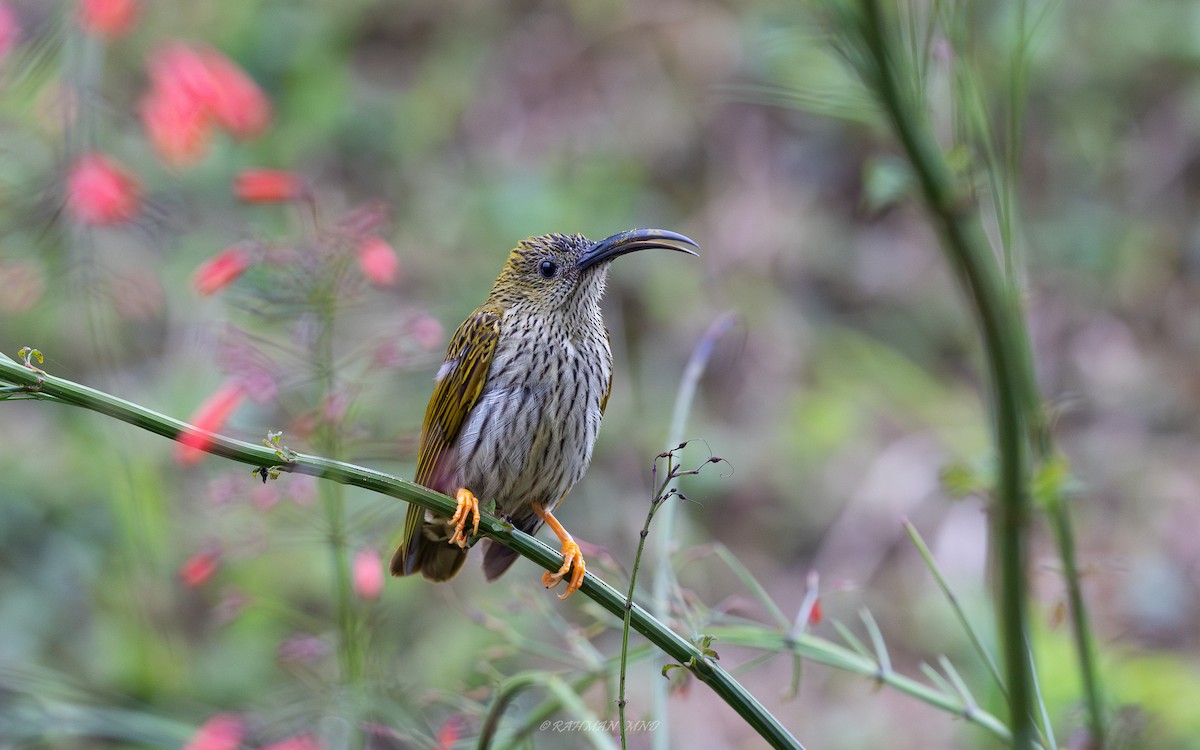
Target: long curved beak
x=634, y=239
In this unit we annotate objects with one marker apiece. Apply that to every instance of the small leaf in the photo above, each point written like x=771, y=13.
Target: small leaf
x=959, y=481
x=666, y=670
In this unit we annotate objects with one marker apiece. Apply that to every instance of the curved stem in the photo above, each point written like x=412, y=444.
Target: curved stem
x=38, y=384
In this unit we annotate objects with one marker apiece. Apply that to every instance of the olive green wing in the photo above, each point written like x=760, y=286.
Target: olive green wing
x=459, y=383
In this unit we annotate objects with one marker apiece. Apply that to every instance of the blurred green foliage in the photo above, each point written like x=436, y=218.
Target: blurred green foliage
x=850, y=386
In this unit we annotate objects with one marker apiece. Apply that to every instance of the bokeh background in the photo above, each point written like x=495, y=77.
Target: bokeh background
x=140, y=596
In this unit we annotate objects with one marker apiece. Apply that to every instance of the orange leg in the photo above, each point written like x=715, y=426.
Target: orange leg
x=572, y=556
x=467, y=505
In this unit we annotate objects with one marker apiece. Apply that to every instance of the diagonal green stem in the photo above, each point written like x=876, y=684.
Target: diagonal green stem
x=48, y=387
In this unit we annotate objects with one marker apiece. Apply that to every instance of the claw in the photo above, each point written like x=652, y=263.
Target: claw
x=573, y=563
x=572, y=557
x=467, y=506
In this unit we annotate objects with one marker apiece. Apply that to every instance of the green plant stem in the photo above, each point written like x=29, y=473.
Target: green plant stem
x=333, y=498
x=813, y=648
x=47, y=387
x=976, y=641
x=969, y=254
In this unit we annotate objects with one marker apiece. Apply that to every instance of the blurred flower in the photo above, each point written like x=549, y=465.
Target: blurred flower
x=101, y=192
x=108, y=18
x=211, y=416
x=264, y=496
x=368, y=574
x=236, y=101
x=304, y=649
x=193, y=90
x=334, y=406
x=221, y=732
x=299, y=742
x=233, y=601
x=267, y=186
x=21, y=285
x=302, y=488
x=363, y=221
x=178, y=128
x=427, y=332
x=198, y=568
x=220, y=270
x=378, y=261
x=9, y=29
x=814, y=615
x=449, y=733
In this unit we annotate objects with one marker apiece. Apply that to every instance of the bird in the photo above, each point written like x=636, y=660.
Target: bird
x=517, y=404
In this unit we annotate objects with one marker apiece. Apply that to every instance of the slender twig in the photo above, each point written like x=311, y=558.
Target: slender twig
x=660, y=496
x=48, y=387
x=972, y=633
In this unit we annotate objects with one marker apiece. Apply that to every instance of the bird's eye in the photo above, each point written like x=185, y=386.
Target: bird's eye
x=547, y=269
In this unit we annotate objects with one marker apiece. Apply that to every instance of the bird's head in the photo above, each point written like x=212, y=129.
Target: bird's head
x=568, y=271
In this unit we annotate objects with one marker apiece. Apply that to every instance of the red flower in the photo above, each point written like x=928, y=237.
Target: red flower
x=378, y=261
x=198, y=568
x=9, y=28
x=211, y=416
x=101, y=192
x=178, y=127
x=234, y=99
x=108, y=18
x=193, y=90
x=267, y=186
x=299, y=742
x=220, y=270
x=368, y=574
x=448, y=734
x=814, y=615
x=221, y=732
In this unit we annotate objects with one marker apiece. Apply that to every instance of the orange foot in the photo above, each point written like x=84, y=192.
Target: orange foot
x=572, y=557
x=467, y=505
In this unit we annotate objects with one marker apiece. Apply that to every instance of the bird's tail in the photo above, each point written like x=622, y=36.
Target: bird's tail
x=429, y=552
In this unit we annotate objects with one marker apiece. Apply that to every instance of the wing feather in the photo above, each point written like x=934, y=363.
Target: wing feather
x=459, y=384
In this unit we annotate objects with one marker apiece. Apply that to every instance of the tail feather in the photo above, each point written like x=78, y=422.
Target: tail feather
x=434, y=558
x=496, y=557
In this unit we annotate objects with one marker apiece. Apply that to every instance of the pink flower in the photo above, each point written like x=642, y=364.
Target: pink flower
x=192, y=91
x=179, y=129
x=198, y=568
x=211, y=416
x=221, y=270
x=9, y=29
x=221, y=732
x=449, y=733
x=299, y=742
x=235, y=100
x=368, y=574
x=267, y=186
x=100, y=192
x=108, y=18
x=378, y=261
x=427, y=332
